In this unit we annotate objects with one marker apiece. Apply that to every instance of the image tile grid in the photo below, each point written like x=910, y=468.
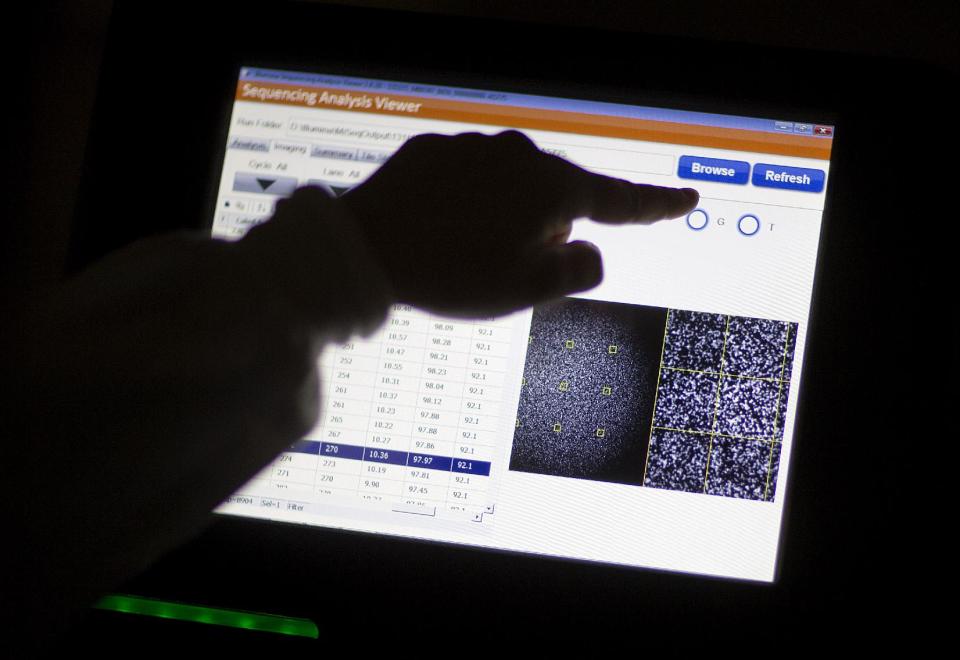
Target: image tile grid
x=751, y=386
x=645, y=396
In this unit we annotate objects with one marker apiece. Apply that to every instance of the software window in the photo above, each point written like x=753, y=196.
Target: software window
x=646, y=422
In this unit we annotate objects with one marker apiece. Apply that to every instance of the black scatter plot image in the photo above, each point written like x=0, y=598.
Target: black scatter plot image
x=686, y=400
x=589, y=383
x=738, y=468
x=677, y=461
x=748, y=407
x=694, y=340
x=755, y=347
x=734, y=403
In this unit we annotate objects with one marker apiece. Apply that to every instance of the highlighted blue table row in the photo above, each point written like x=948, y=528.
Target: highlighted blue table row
x=765, y=175
x=392, y=457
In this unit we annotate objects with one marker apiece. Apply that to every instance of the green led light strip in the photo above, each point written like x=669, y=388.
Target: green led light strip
x=215, y=616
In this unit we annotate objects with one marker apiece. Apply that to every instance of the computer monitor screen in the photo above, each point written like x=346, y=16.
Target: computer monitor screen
x=647, y=422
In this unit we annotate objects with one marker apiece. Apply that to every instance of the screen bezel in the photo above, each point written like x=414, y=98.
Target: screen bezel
x=757, y=94
x=683, y=100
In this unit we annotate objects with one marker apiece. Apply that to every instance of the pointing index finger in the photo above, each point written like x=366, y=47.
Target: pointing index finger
x=609, y=200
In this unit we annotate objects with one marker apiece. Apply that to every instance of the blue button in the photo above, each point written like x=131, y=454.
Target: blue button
x=713, y=169
x=788, y=178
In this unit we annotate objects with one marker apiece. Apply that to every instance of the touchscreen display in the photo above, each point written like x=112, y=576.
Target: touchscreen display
x=647, y=422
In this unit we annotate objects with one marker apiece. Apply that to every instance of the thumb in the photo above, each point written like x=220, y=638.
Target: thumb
x=563, y=269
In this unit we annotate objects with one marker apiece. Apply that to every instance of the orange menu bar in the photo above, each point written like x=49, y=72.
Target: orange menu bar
x=528, y=118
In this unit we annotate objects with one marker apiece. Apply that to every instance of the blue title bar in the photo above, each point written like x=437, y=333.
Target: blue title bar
x=350, y=83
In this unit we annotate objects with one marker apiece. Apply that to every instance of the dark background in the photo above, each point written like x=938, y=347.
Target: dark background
x=52, y=52
x=874, y=429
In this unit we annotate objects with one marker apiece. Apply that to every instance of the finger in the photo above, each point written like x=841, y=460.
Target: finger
x=559, y=233
x=606, y=199
x=306, y=199
x=564, y=269
x=308, y=196
x=516, y=140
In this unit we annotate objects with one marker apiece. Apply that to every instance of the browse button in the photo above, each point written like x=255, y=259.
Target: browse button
x=789, y=178
x=713, y=169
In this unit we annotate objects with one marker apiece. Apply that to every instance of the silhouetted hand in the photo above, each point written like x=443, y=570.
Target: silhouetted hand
x=151, y=386
x=477, y=224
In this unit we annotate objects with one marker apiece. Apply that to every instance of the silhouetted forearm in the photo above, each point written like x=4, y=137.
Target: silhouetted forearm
x=150, y=387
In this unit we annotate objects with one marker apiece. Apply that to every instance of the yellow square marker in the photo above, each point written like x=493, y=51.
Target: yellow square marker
x=564, y=386
x=612, y=349
x=523, y=381
x=518, y=422
x=606, y=390
x=568, y=343
x=556, y=427
x=601, y=432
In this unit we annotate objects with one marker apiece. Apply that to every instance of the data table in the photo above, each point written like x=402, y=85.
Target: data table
x=414, y=419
